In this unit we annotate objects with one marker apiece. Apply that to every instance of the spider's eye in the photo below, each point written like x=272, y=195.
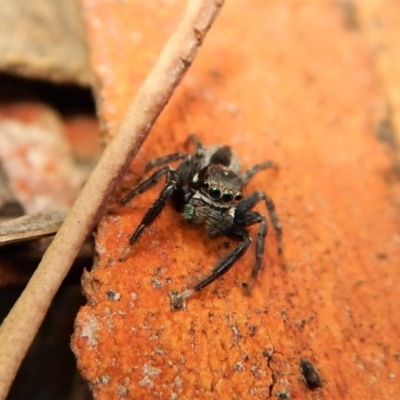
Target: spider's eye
x=238, y=197
x=227, y=197
x=205, y=185
x=214, y=192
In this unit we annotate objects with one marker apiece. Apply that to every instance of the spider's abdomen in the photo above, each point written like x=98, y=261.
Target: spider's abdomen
x=222, y=155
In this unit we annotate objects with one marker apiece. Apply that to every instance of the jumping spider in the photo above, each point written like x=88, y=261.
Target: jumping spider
x=206, y=188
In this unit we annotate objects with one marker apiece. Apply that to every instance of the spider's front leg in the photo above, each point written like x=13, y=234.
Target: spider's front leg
x=226, y=263
x=171, y=185
x=246, y=217
x=147, y=184
x=155, y=209
x=249, y=218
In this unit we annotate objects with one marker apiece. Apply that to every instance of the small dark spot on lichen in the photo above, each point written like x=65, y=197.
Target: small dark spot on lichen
x=112, y=295
x=252, y=329
x=238, y=367
x=159, y=350
x=385, y=130
x=215, y=74
x=349, y=13
x=246, y=288
x=104, y=379
x=285, y=315
x=158, y=270
x=177, y=302
x=255, y=370
x=301, y=323
x=268, y=352
x=156, y=283
x=310, y=374
x=381, y=256
x=226, y=244
x=283, y=396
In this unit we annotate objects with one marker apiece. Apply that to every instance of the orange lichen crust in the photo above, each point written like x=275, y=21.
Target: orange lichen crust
x=268, y=83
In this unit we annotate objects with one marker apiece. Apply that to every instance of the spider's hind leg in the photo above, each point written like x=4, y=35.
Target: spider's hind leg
x=164, y=160
x=247, y=175
x=195, y=141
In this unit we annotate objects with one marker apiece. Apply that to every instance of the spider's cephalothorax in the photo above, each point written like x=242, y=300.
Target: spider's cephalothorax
x=207, y=188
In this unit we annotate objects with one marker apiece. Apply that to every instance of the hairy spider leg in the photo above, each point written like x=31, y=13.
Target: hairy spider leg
x=243, y=216
x=228, y=261
x=171, y=185
x=253, y=217
x=147, y=184
x=198, y=155
x=247, y=175
x=164, y=160
x=195, y=141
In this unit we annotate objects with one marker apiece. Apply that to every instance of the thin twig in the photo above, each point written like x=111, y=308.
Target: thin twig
x=30, y=227
x=22, y=323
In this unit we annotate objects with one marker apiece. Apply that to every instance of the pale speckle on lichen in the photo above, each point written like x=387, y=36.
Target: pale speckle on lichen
x=159, y=350
x=156, y=283
x=149, y=372
x=133, y=297
x=235, y=330
x=104, y=379
x=178, y=381
x=123, y=390
x=146, y=381
x=237, y=336
x=90, y=330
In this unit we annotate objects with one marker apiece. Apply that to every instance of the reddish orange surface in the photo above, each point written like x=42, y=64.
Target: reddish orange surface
x=282, y=81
